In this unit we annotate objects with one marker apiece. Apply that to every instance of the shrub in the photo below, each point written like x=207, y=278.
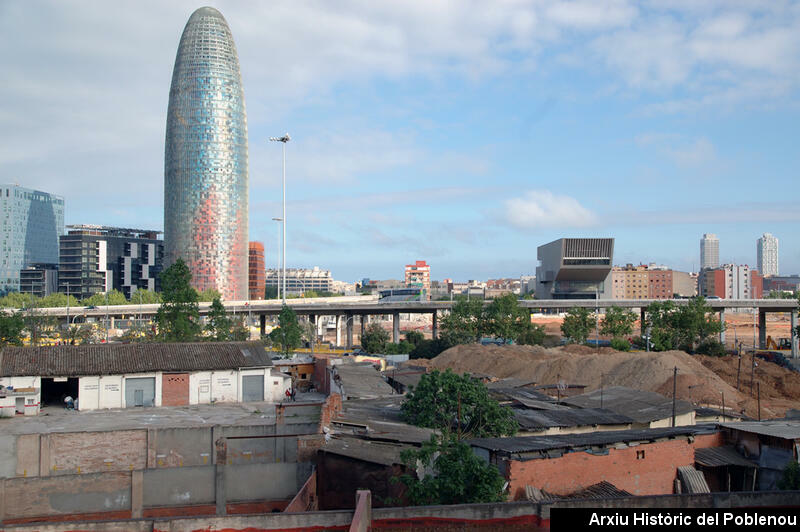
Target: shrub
x=712, y=348
x=620, y=344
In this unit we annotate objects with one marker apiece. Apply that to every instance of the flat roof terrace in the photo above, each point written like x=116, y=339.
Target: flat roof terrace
x=56, y=419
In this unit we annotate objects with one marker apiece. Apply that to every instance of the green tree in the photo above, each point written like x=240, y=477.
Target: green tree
x=18, y=300
x=790, y=480
x=404, y=347
x=414, y=337
x=577, y=324
x=532, y=335
x=38, y=324
x=178, y=317
x=271, y=292
x=465, y=322
x=83, y=333
x=218, y=324
x=617, y=323
x=56, y=299
x=458, y=403
x=429, y=348
x=446, y=471
x=145, y=297
x=374, y=339
x=11, y=327
x=505, y=319
x=115, y=297
x=684, y=327
x=209, y=294
x=288, y=334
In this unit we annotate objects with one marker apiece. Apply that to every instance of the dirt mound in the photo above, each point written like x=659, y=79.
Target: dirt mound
x=697, y=380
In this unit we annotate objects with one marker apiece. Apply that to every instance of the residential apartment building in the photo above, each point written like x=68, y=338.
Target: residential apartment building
x=732, y=281
x=39, y=280
x=684, y=284
x=95, y=258
x=30, y=223
x=651, y=282
x=630, y=282
x=767, y=251
x=418, y=275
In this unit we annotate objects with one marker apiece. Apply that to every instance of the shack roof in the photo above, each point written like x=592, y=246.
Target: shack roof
x=376, y=452
x=361, y=381
x=531, y=444
x=533, y=420
x=786, y=429
x=639, y=405
x=721, y=456
x=117, y=359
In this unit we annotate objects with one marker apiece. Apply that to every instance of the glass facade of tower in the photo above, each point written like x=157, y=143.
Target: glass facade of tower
x=30, y=223
x=205, y=164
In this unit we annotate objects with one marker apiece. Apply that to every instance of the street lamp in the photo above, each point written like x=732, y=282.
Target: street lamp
x=278, y=271
x=284, y=139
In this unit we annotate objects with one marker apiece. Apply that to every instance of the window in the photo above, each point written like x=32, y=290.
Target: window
x=640, y=454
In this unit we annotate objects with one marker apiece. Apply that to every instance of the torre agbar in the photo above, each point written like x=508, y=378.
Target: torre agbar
x=205, y=162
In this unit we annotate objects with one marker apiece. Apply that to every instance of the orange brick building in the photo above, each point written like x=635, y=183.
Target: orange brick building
x=257, y=271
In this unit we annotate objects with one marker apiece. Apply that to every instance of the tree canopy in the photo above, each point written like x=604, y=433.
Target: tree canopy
x=505, y=319
x=464, y=324
x=450, y=402
x=577, y=324
x=288, y=334
x=178, y=317
x=617, y=322
x=447, y=471
x=115, y=297
x=681, y=327
x=11, y=327
x=374, y=339
x=218, y=324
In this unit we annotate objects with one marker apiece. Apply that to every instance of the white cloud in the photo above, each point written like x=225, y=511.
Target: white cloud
x=683, y=152
x=542, y=208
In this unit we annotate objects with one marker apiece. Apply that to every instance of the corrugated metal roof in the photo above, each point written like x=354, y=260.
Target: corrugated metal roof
x=601, y=490
x=692, y=480
x=721, y=456
x=641, y=406
x=786, y=429
x=529, y=419
x=361, y=381
x=116, y=359
x=526, y=444
x=369, y=451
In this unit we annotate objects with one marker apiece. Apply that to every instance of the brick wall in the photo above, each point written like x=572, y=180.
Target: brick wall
x=175, y=389
x=330, y=409
x=646, y=469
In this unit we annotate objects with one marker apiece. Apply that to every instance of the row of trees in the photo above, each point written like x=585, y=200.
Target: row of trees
x=470, y=321
x=689, y=327
x=114, y=297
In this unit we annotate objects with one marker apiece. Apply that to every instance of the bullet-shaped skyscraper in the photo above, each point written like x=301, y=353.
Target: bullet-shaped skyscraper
x=205, y=162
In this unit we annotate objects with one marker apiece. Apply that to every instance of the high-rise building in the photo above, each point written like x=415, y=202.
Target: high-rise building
x=767, y=250
x=257, y=271
x=301, y=280
x=418, y=275
x=709, y=251
x=39, y=279
x=30, y=224
x=96, y=259
x=205, y=164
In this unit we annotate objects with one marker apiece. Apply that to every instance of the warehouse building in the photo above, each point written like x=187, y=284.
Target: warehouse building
x=143, y=375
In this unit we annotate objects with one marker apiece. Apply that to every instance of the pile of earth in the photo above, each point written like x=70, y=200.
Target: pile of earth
x=701, y=379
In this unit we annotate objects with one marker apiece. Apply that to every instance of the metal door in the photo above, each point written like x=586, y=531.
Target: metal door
x=140, y=391
x=252, y=388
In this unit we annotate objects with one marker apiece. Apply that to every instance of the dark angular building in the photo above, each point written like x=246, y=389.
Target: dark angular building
x=39, y=279
x=575, y=268
x=205, y=163
x=95, y=258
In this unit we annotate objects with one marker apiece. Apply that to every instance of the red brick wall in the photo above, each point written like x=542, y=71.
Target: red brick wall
x=650, y=474
x=174, y=389
x=332, y=406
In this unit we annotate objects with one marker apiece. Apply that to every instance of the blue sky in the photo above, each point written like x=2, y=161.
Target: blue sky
x=462, y=133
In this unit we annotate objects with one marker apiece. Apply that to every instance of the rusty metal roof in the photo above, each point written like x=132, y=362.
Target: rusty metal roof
x=721, y=456
x=116, y=359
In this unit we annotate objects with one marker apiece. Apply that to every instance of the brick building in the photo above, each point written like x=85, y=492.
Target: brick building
x=418, y=275
x=257, y=271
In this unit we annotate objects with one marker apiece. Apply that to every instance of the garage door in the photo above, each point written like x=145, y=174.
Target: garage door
x=140, y=391
x=252, y=388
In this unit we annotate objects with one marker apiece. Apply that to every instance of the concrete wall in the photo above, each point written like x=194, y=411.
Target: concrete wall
x=261, y=481
x=92, y=452
x=183, y=487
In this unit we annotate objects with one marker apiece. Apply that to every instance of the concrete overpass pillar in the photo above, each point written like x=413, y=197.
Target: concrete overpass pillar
x=338, y=330
x=363, y=327
x=435, y=325
x=348, y=324
x=262, y=318
x=722, y=331
x=794, y=336
x=762, y=329
x=396, y=327
x=312, y=319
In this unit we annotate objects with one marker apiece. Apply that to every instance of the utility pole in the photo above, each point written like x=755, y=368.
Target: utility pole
x=739, y=368
x=674, y=391
x=759, y=400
